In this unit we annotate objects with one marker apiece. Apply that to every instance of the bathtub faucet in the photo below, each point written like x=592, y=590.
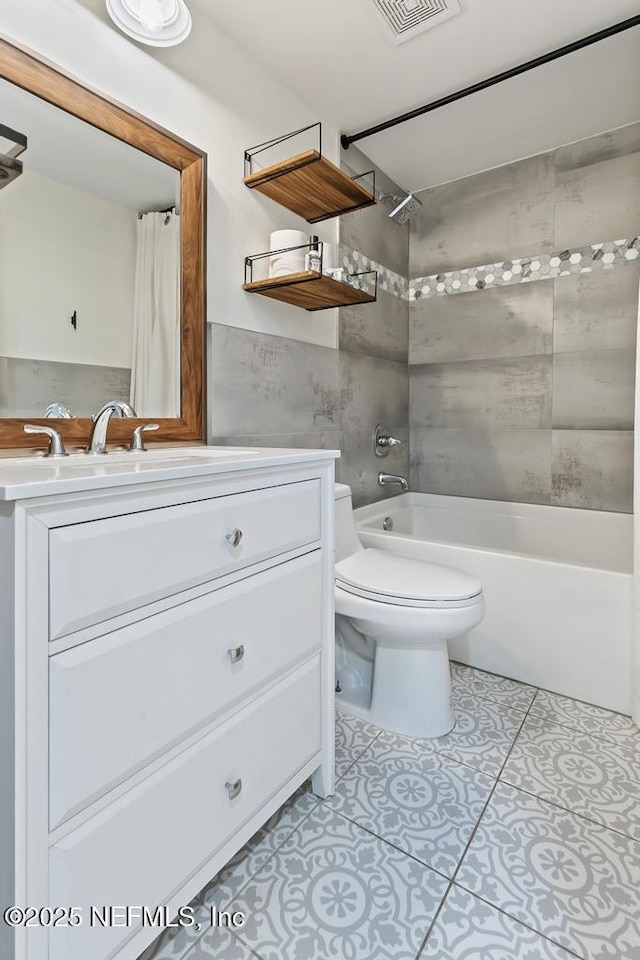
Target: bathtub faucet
x=385, y=478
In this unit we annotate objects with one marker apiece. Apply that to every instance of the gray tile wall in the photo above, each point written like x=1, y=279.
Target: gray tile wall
x=27, y=387
x=499, y=322
x=490, y=464
x=497, y=215
x=527, y=392
x=271, y=391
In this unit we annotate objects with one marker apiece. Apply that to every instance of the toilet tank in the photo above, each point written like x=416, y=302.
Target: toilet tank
x=347, y=542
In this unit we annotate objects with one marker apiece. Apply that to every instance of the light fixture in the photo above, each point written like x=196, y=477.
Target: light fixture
x=159, y=23
x=12, y=144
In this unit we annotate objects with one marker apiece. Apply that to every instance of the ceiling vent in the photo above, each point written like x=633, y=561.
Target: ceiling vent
x=408, y=18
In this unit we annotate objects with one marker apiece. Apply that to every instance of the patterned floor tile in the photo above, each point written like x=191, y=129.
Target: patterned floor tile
x=592, y=777
x=173, y=944
x=219, y=944
x=422, y=802
x=510, y=693
x=221, y=891
x=353, y=736
x=586, y=718
x=575, y=881
x=334, y=890
x=469, y=929
x=483, y=734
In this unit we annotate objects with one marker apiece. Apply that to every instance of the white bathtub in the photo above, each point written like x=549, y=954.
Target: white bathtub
x=557, y=584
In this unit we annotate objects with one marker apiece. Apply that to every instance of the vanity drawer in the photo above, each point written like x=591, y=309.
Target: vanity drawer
x=118, y=701
x=146, y=844
x=101, y=569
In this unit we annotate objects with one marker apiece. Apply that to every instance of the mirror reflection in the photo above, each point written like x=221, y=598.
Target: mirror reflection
x=89, y=268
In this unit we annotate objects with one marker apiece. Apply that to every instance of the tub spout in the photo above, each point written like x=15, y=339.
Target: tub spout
x=385, y=478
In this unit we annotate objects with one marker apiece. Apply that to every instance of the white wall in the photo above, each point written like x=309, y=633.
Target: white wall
x=63, y=250
x=211, y=93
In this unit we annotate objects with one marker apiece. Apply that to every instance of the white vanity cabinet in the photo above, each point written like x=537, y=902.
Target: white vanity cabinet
x=166, y=682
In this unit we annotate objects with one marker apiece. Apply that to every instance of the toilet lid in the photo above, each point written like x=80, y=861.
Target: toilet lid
x=390, y=577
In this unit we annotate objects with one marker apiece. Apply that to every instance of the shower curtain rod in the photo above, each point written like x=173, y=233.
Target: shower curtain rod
x=615, y=28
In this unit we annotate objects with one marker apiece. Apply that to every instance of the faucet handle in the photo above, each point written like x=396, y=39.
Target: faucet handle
x=383, y=441
x=56, y=446
x=137, y=440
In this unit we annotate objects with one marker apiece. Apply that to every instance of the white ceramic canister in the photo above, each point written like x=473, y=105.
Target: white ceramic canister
x=291, y=261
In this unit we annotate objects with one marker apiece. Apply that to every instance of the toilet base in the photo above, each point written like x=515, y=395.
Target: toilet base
x=411, y=691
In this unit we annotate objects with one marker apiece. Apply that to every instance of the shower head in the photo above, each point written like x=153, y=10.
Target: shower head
x=404, y=207
x=12, y=144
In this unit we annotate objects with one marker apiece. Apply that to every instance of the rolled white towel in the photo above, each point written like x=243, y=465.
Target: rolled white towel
x=291, y=261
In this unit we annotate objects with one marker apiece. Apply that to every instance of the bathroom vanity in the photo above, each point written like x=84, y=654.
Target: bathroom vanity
x=166, y=676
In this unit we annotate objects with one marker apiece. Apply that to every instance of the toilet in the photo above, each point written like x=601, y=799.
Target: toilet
x=394, y=615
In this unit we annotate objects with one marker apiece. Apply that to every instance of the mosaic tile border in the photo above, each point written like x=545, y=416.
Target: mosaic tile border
x=355, y=262
x=544, y=266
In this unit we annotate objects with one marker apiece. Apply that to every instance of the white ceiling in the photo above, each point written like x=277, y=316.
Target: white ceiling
x=66, y=149
x=340, y=58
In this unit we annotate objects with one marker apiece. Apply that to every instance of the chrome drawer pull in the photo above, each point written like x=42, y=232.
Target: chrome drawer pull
x=235, y=537
x=234, y=789
x=236, y=654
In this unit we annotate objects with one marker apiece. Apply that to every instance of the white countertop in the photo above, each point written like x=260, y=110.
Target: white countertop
x=25, y=477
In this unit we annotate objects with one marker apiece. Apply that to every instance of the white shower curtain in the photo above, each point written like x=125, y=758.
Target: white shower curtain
x=635, y=707
x=155, y=368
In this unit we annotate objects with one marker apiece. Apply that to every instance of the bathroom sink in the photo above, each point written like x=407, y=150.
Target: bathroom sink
x=23, y=477
x=79, y=460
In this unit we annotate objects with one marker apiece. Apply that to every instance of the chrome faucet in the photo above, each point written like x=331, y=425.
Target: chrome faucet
x=59, y=411
x=385, y=478
x=118, y=408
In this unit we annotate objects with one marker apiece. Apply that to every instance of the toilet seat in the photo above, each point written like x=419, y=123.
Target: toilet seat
x=386, y=577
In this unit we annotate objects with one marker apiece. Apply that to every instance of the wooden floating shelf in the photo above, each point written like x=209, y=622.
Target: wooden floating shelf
x=311, y=186
x=310, y=290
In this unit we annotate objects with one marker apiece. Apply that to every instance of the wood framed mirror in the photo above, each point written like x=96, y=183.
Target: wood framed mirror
x=31, y=75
